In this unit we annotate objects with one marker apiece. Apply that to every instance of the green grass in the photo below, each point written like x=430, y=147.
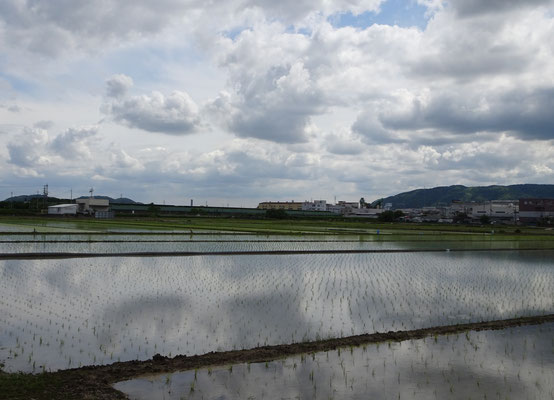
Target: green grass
x=266, y=226
x=28, y=386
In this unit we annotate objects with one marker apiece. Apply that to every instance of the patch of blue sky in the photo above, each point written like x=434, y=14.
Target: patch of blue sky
x=19, y=85
x=233, y=33
x=147, y=64
x=298, y=30
x=403, y=13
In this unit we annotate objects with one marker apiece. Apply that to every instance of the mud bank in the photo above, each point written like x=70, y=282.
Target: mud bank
x=94, y=382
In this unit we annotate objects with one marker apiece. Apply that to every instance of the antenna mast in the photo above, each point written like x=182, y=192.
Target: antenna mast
x=45, y=192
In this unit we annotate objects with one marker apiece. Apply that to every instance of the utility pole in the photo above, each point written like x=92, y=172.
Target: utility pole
x=45, y=192
x=71, y=195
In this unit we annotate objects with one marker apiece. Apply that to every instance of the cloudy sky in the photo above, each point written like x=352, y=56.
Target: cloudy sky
x=240, y=101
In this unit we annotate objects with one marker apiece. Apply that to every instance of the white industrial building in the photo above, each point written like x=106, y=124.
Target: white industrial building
x=316, y=205
x=501, y=210
x=91, y=205
x=63, y=209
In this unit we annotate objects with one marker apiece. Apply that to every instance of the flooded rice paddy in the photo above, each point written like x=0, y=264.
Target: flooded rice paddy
x=57, y=314
x=206, y=243
x=515, y=363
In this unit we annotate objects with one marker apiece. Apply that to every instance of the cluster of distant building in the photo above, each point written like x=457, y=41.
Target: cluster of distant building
x=525, y=211
x=99, y=208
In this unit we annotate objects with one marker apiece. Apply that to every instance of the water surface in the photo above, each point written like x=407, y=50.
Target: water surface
x=57, y=314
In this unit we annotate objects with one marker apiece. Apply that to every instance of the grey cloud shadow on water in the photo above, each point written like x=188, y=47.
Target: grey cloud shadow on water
x=263, y=311
x=165, y=312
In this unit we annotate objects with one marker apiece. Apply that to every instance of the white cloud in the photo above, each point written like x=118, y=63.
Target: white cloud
x=27, y=149
x=175, y=114
x=118, y=85
x=296, y=103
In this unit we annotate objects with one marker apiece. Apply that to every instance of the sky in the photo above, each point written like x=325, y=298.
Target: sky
x=236, y=102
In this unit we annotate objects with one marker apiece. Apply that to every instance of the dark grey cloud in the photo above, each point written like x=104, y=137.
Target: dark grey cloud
x=469, y=57
x=275, y=124
x=526, y=114
x=372, y=131
x=469, y=8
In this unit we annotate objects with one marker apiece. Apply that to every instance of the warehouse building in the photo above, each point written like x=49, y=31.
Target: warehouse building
x=63, y=209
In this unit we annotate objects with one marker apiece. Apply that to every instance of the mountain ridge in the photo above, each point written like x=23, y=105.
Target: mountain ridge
x=444, y=195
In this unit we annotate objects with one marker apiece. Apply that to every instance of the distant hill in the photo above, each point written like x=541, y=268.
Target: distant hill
x=119, y=200
x=443, y=195
x=24, y=197
x=27, y=198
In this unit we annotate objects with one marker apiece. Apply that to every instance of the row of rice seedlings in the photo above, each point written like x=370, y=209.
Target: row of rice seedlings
x=68, y=313
x=122, y=246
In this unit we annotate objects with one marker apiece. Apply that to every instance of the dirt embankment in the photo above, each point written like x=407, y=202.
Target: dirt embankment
x=94, y=382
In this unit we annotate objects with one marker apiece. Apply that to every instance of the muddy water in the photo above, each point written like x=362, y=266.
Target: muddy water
x=515, y=363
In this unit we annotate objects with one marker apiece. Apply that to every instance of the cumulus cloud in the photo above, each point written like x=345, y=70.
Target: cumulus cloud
x=174, y=114
x=343, y=144
x=33, y=149
x=118, y=85
x=276, y=105
x=82, y=24
x=74, y=143
x=77, y=25
x=121, y=159
x=459, y=96
x=27, y=148
x=527, y=114
x=371, y=130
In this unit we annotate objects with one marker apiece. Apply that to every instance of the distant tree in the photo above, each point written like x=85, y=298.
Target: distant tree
x=390, y=216
x=153, y=210
x=363, y=204
x=485, y=220
x=460, y=218
x=276, y=214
